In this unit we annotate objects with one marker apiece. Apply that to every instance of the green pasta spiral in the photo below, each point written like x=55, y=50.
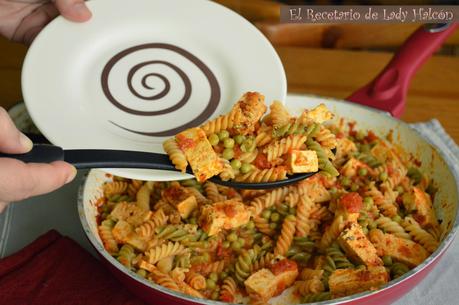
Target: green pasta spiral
x=369, y=159
x=125, y=255
x=243, y=266
x=339, y=259
x=324, y=163
x=398, y=269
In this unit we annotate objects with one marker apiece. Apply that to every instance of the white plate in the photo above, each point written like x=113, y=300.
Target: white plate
x=86, y=85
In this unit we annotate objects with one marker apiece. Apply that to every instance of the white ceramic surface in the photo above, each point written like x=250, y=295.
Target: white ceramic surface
x=433, y=164
x=140, y=71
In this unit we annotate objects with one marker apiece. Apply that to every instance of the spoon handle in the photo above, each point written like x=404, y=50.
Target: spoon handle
x=94, y=158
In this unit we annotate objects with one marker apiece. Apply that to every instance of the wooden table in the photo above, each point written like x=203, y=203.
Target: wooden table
x=434, y=92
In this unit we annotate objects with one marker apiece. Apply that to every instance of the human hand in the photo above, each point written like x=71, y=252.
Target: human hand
x=22, y=20
x=19, y=180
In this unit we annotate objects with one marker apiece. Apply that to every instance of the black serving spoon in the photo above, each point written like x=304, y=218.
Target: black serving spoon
x=104, y=158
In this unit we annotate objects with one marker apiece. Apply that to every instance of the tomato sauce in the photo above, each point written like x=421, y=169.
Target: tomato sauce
x=261, y=162
x=352, y=202
x=184, y=142
x=283, y=265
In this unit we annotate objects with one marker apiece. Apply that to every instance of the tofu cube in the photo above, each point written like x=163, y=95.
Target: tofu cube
x=247, y=112
x=402, y=250
x=228, y=214
x=318, y=114
x=267, y=283
x=358, y=247
x=186, y=206
x=343, y=282
x=123, y=232
x=424, y=213
x=344, y=147
x=303, y=161
x=203, y=160
x=314, y=189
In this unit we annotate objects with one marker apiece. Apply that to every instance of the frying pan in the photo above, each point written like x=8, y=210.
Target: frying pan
x=369, y=108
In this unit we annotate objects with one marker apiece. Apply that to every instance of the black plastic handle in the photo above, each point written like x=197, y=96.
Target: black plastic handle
x=40, y=153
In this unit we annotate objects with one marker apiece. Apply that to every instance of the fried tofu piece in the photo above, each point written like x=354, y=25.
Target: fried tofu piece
x=343, y=282
x=358, y=247
x=303, y=161
x=344, y=147
x=403, y=250
x=247, y=113
x=203, y=160
x=227, y=214
x=187, y=206
x=123, y=232
x=267, y=283
x=130, y=212
x=318, y=114
x=424, y=213
x=314, y=189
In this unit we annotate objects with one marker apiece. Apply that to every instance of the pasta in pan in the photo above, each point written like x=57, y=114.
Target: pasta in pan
x=325, y=237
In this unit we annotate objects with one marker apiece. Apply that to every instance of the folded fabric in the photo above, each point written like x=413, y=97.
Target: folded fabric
x=56, y=270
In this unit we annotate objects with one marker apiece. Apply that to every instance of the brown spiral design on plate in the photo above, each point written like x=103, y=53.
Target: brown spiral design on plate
x=212, y=104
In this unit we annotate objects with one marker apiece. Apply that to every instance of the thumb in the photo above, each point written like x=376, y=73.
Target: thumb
x=12, y=141
x=74, y=10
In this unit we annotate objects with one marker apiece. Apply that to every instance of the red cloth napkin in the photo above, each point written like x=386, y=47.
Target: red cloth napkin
x=54, y=270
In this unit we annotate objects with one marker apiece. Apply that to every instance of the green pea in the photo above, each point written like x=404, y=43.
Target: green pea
x=192, y=221
x=235, y=245
x=387, y=260
x=228, y=154
x=250, y=225
x=266, y=214
x=368, y=203
x=223, y=275
x=333, y=190
x=397, y=218
x=275, y=217
x=213, y=139
x=361, y=267
x=210, y=284
x=363, y=172
x=383, y=176
x=228, y=143
x=241, y=242
x=354, y=187
x=273, y=225
x=239, y=139
x=360, y=135
x=236, y=164
x=372, y=225
x=223, y=135
x=400, y=189
x=246, y=167
x=226, y=244
x=346, y=181
x=365, y=230
x=365, y=148
x=142, y=272
x=215, y=295
x=232, y=237
x=248, y=145
x=213, y=276
x=292, y=210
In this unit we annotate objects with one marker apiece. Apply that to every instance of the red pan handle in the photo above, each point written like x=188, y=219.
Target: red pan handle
x=388, y=90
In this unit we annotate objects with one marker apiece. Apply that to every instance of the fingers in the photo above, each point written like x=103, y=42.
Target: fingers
x=11, y=139
x=3, y=205
x=19, y=180
x=74, y=10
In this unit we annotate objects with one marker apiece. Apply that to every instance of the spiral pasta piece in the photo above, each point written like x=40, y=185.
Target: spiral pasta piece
x=200, y=198
x=263, y=137
x=265, y=175
x=212, y=192
x=126, y=255
x=243, y=267
x=105, y=233
x=313, y=285
x=326, y=138
x=169, y=249
x=228, y=172
x=303, y=226
x=195, y=280
x=262, y=225
x=279, y=115
x=164, y=280
x=147, y=229
x=398, y=269
x=223, y=122
x=176, y=155
x=206, y=269
x=269, y=199
x=228, y=290
x=316, y=297
x=134, y=187
x=114, y=188
x=332, y=232
x=286, y=236
x=340, y=260
x=263, y=262
x=393, y=227
x=281, y=147
x=419, y=234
